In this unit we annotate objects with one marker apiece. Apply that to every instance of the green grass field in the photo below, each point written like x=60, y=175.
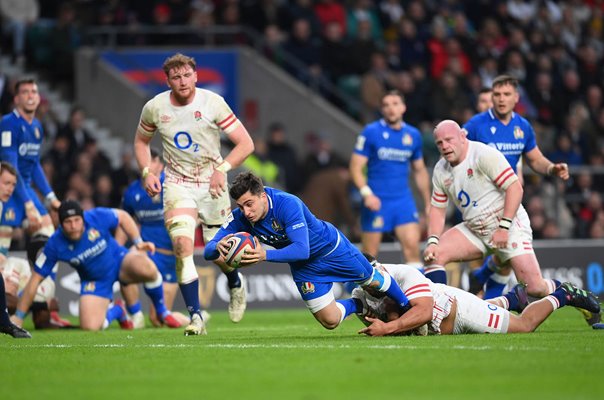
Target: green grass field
x=287, y=355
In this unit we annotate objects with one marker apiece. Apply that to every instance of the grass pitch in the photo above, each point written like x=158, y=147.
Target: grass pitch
x=285, y=354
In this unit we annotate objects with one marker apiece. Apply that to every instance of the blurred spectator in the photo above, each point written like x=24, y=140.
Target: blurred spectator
x=330, y=11
x=363, y=10
x=291, y=11
x=305, y=48
x=319, y=156
x=77, y=136
x=284, y=155
x=564, y=152
x=588, y=213
x=262, y=166
x=413, y=49
x=126, y=173
x=61, y=160
x=374, y=85
x=6, y=94
x=64, y=39
x=17, y=15
x=327, y=196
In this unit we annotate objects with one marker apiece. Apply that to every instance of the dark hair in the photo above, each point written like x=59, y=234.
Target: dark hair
x=69, y=208
x=154, y=153
x=246, y=182
x=485, y=90
x=8, y=167
x=505, y=80
x=24, y=81
x=394, y=92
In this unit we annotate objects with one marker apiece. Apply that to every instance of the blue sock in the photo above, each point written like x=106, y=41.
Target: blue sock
x=115, y=312
x=512, y=301
x=389, y=286
x=495, y=285
x=233, y=280
x=351, y=306
x=4, y=319
x=560, y=295
x=436, y=274
x=190, y=294
x=134, y=308
x=485, y=271
x=156, y=295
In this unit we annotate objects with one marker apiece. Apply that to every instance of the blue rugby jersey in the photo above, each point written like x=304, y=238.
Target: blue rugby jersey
x=389, y=154
x=93, y=256
x=149, y=212
x=20, y=145
x=512, y=140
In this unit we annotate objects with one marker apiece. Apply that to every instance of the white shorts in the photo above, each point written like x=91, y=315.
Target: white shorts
x=475, y=315
x=520, y=239
x=210, y=211
x=17, y=271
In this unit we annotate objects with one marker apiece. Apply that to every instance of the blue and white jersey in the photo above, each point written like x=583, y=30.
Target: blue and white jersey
x=315, y=250
x=93, y=256
x=20, y=145
x=512, y=140
x=149, y=212
x=389, y=154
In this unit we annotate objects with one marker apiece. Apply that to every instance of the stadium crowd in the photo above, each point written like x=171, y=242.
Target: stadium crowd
x=439, y=54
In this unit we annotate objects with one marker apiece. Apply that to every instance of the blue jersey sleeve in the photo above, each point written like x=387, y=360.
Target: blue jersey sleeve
x=363, y=145
x=40, y=180
x=103, y=218
x=231, y=225
x=9, y=152
x=291, y=215
x=470, y=128
x=531, y=142
x=418, y=148
x=127, y=203
x=47, y=260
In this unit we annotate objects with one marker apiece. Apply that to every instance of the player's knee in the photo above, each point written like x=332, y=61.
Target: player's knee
x=329, y=321
x=182, y=232
x=537, y=289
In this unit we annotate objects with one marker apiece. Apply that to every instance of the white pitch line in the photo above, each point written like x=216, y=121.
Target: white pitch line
x=283, y=346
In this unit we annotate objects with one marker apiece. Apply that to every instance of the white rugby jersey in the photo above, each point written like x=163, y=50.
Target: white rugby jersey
x=190, y=134
x=414, y=284
x=476, y=186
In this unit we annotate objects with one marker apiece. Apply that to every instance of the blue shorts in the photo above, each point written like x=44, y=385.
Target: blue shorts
x=104, y=287
x=394, y=212
x=344, y=263
x=13, y=213
x=166, y=264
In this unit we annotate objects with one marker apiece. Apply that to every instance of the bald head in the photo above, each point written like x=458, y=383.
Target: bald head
x=451, y=141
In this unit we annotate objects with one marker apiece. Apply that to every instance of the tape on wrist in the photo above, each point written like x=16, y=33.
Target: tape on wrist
x=433, y=239
x=550, y=169
x=505, y=223
x=145, y=172
x=365, y=191
x=224, y=167
x=137, y=240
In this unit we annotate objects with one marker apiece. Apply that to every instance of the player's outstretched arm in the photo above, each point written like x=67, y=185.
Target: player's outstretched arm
x=419, y=314
x=540, y=164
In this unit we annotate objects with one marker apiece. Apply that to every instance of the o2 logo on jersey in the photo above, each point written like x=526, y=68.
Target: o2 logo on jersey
x=464, y=199
x=183, y=141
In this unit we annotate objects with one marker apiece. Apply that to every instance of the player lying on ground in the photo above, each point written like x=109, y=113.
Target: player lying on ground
x=448, y=310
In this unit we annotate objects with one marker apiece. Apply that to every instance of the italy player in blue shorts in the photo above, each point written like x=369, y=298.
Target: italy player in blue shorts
x=85, y=241
x=389, y=150
x=149, y=212
x=317, y=252
x=500, y=127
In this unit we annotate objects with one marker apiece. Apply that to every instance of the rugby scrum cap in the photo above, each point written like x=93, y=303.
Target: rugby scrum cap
x=69, y=208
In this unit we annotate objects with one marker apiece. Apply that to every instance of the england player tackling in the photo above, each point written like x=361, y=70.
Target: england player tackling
x=190, y=122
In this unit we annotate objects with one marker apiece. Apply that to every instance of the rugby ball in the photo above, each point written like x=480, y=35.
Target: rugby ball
x=237, y=245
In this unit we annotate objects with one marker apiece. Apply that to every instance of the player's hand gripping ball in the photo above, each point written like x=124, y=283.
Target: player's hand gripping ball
x=237, y=245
